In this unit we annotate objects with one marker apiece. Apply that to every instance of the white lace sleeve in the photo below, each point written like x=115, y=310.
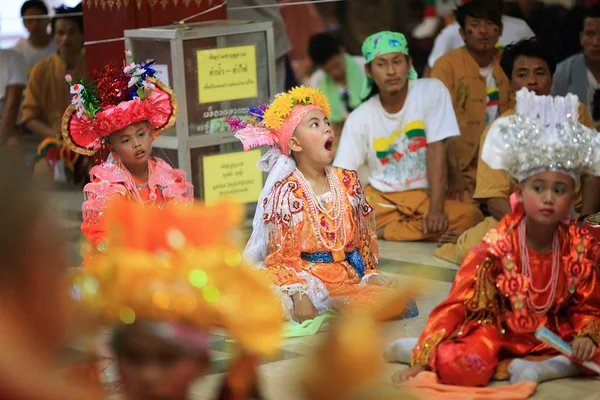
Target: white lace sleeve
x=279, y=167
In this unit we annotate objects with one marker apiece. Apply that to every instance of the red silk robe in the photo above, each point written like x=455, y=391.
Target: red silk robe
x=487, y=315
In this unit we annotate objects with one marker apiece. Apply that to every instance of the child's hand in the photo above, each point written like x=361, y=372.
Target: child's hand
x=304, y=309
x=584, y=349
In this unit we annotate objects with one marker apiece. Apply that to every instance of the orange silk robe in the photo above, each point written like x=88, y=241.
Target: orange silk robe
x=166, y=184
x=487, y=317
x=291, y=232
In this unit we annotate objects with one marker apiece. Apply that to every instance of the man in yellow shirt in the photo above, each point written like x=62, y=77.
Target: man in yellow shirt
x=530, y=64
x=479, y=88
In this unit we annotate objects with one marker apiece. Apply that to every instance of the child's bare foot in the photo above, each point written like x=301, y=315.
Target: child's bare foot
x=450, y=237
x=406, y=374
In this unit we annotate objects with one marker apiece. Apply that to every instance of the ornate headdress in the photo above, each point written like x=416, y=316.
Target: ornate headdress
x=275, y=123
x=177, y=267
x=543, y=135
x=116, y=98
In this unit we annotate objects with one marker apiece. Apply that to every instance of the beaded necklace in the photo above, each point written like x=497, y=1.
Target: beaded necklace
x=336, y=214
x=552, y=282
x=132, y=187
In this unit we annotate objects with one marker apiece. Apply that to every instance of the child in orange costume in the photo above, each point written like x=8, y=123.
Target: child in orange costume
x=124, y=110
x=314, y=231
x=170, y=277
x=536, y=269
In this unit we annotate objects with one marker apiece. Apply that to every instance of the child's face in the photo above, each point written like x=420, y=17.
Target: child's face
x=313, y=138
x=152, y=368
x=133, y=144
x=547, y=196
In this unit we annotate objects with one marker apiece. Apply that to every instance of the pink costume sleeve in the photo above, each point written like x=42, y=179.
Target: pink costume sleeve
x=105, y=185
x=173, y=183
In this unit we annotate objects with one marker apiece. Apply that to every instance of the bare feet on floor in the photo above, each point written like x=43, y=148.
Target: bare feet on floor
x=450, y=237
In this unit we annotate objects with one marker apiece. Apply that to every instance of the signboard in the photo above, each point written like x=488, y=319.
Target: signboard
x=227, y=74
x=232, y=175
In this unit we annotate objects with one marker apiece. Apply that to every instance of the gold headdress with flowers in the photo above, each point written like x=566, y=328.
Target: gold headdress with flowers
x=275, y=123
x=179, y=265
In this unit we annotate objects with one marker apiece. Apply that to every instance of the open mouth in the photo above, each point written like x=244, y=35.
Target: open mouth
x=140, y=153
x=329, y=144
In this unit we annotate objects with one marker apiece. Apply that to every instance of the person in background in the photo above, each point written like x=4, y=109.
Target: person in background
x=402, y=130
x=339, y=76
x=13, y=79
x=39, y=44
x=301, y=22
x=47, y=95
x=543, y=20
x=479, y=90
x=514, y=29
x=433, y=13
x=268, y=11
x=580, y=73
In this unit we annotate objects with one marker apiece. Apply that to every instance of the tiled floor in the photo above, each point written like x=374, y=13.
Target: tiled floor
x=411, y=263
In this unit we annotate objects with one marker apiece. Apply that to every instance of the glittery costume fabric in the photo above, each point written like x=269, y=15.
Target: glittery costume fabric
x=165, y=185
x=487, y=317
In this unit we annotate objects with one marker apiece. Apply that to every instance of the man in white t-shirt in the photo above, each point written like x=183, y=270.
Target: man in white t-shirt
x=39, y=44
x=401, y=130
x=13, y=78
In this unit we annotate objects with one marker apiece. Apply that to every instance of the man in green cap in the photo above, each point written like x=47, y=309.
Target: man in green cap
x=401, y=130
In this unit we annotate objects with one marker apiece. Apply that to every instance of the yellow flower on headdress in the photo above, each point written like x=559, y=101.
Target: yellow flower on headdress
x=320, y=100
x=282, y=106
x=302, y=94
x=272, y=119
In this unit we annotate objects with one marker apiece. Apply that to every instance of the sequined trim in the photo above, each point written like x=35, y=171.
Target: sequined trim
x=102, y=247
x=484, y=298
x=592, y=330
x=422, y=351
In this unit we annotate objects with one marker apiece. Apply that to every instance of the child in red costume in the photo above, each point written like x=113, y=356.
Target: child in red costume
x=537, y=268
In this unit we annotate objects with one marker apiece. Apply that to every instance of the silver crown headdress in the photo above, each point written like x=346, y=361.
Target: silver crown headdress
x=543, y=135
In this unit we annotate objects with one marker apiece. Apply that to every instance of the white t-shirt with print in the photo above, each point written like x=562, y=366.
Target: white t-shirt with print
x=492, y=98
x=395, y=145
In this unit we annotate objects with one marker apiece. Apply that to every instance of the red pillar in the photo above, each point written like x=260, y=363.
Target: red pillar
x=107, y=19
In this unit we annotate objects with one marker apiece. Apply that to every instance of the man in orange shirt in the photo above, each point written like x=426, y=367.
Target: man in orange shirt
x=531, y=64
x=478, y=87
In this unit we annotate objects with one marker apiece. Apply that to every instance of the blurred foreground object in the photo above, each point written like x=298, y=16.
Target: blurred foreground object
x=170, y=276
x=33, y=314
x=348, y=364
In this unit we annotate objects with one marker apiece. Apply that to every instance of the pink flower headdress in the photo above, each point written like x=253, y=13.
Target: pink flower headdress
x=114, y=99
x=275, y=123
